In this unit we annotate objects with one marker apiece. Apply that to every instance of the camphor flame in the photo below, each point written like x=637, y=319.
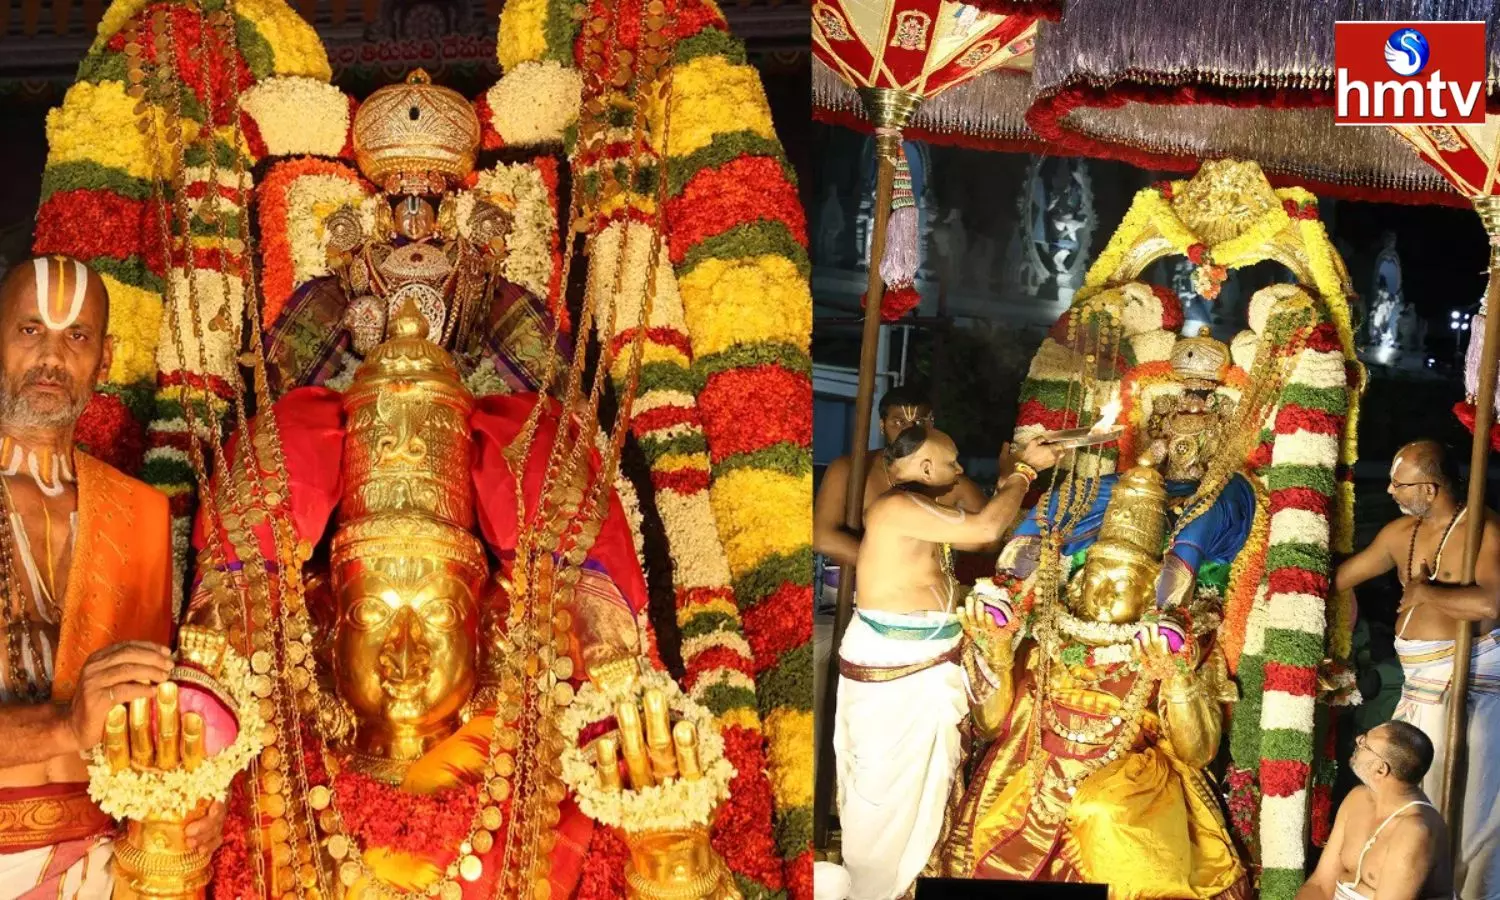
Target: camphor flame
x=1108, y=413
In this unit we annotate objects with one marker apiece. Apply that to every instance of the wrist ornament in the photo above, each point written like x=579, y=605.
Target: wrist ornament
x=1181, y=688
x=1025, y=471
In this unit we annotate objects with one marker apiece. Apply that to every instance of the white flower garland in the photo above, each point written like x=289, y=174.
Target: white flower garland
x=299, y=116
x=140, y=794
x=520, y=189
x=673, y=804
x=535, y=103
x=629, y=501
x=310, y=200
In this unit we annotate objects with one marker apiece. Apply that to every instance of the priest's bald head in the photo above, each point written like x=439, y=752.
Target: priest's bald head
x=54, y=342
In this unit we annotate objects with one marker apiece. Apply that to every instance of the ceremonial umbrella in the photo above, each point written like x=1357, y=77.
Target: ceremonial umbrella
x=1468, y=157
x=1167, y=84
x=893, y=54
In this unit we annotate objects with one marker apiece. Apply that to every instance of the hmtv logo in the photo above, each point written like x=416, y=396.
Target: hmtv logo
x=1409, y=73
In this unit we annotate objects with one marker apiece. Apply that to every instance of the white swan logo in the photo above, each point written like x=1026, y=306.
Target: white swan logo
x=1406, y=52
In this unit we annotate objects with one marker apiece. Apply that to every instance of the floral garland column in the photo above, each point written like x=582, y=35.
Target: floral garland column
x=738, y=242
x=537, y=102
x=1309, y=427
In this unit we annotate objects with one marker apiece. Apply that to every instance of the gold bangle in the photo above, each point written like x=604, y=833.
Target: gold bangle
x=1026, y=470
x=1182, y=691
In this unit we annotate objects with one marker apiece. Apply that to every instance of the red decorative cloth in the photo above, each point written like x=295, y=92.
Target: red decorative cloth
x=496, y=422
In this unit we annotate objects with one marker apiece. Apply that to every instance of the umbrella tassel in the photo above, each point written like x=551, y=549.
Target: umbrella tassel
x=902, y=257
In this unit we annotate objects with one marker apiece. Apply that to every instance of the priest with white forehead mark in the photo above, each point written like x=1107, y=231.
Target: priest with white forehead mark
x=85, y=585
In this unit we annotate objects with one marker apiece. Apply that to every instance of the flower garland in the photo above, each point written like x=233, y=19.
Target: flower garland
x=630, y=502
x=718, y=659
x=292, y=201
x=96, y=150
x=394, y=819
x=735, y=349
x=530, y=248
x=139, y=793
x=535, y=103
x=676, y=803
x=733, y=241
x=296, y=116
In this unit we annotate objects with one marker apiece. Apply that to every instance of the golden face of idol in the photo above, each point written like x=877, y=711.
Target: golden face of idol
x=1118, y=583
x=406, y=645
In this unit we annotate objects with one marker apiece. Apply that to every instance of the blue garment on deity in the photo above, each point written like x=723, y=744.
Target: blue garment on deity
x=1215, y=536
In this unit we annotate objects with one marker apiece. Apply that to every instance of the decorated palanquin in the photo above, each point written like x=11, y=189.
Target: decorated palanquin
x=246, y=220
x=1149, y=613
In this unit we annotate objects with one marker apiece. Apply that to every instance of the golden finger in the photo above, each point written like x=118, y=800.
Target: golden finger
x=140, y=732
x=167, y=725
x=116, y=740
x=192, y=741
x=685, y=736
x=633, y=744
x=659, y=736
x=607, y=752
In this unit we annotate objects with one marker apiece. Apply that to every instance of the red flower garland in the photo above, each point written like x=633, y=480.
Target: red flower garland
x=189, y=52
x=547, y=165
x=278, y=276
x=895, y=302
x=747, y=189
x=489, y=138
x=603, y=876
x=384, y=815
x=106, y=430
x=778, y=623
x=742, y=833
x=722, y=407
x=1171, y=307
x=90, y=223
x=1243, y=798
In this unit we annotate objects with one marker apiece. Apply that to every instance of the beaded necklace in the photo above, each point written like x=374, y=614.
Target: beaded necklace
x=1411, y=550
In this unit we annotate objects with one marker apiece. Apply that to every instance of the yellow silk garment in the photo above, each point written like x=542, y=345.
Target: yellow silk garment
x=1146, y=824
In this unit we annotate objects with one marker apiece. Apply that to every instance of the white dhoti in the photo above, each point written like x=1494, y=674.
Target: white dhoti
x=900, y=702
x=73, y=870
x=1428, y=668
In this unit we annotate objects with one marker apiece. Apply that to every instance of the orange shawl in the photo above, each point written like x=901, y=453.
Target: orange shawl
x=120, y=586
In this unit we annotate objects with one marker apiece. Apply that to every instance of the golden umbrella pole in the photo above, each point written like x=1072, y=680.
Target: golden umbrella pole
x=1479, y=458
x=891, y=110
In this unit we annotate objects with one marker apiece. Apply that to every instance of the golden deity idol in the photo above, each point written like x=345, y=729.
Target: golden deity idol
x=423, y=240
x=1119, y=578
x=407, y=572
x=417, y=672
x=1104, y=687
x=1188, y=429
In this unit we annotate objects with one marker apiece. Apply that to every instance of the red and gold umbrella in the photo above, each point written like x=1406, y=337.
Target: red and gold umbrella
x=921, y=47
x=1468, y=158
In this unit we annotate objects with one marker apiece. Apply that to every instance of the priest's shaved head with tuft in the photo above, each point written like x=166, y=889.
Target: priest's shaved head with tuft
x=54, y=342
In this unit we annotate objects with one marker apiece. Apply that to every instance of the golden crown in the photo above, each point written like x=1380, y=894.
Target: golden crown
x=415, y=127
x=1200, y=358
